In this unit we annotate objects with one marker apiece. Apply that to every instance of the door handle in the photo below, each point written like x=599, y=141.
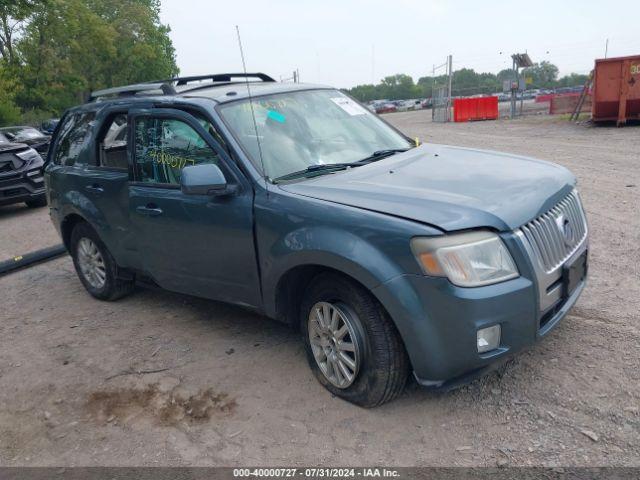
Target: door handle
x=149, y=210
x=95, y=188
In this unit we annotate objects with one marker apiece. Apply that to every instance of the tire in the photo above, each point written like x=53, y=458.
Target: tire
x=106, y=281
x=38, y=202
x=381, y=362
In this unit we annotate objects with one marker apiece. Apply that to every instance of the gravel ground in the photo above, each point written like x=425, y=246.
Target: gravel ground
x=166, y=379
x=24, y=229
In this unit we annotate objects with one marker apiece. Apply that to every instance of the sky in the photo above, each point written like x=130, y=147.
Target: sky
x=344, y=43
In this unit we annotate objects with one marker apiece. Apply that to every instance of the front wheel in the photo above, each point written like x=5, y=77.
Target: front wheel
x=352, y=346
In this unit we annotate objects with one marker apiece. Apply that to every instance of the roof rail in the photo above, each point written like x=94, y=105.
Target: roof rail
x=128, y=90
x=217, y=77
x=168, y=86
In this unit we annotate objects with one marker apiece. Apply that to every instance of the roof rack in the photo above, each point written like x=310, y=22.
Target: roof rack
x=218, y=77
x=167, y=87
x=128, y=90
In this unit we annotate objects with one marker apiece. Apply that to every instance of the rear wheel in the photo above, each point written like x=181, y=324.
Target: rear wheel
x=353, y=347
x=95, y=266
x=38, y=202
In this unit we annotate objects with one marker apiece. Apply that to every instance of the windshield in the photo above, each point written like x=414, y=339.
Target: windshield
x=313, y=127
x=22, y=133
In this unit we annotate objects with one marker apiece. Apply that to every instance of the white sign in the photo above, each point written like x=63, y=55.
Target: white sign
x=349, y=106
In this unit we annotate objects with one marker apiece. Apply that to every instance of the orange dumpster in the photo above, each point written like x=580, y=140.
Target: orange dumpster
x=616, y=89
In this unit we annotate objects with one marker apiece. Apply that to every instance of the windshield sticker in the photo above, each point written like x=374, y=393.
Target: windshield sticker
x=349, y=106
x=277, y=116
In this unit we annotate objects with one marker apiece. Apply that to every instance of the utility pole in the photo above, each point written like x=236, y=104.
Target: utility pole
x=450, y=65
x=513, y=90
x=520, y=60
x=606, y=48
x=433, y=92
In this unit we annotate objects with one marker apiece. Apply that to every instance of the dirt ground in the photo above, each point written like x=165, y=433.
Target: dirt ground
x=166, y=379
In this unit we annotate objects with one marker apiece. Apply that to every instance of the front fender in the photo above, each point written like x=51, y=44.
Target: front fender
x=334, y=248
x=294, y=231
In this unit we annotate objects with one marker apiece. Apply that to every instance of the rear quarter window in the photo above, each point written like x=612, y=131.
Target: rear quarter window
x=73, y=137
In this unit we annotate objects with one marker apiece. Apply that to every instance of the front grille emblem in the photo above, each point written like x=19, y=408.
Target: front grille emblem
x=566, y=230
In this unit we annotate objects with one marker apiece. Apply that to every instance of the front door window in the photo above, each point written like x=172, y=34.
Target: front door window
x=164, y=146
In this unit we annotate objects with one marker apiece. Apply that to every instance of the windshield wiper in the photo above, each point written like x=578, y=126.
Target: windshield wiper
x=334, y=167
x=312, y=169
x=379, y=155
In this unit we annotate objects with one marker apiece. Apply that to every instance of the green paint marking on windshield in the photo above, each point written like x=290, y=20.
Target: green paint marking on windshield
x=277, y=116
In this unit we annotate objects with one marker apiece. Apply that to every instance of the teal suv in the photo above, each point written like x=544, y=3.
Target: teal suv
x=295, y=201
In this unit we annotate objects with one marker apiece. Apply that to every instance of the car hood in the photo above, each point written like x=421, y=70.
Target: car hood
x=451, y=188
x=36, y=141
x=10, y=146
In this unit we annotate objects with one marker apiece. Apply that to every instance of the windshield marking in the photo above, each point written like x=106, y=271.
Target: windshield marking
x=277, y=116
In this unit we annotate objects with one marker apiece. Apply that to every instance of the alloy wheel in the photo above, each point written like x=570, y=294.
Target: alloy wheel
x=91, y=263
x=334, y=343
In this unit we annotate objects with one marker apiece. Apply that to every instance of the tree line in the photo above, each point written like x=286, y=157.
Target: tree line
x=53, y=53
x=464, y=82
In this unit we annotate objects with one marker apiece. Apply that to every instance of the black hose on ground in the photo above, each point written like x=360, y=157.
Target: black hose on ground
x=31, y=258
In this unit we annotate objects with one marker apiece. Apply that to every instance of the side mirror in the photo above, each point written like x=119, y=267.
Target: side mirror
x=205, y=179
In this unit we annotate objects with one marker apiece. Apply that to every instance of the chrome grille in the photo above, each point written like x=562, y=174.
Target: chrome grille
x=554, y=236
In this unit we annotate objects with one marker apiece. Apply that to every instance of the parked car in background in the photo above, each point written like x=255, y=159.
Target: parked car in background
x=21, y=175
x=402, y=105
x=427, y=102
x=29, y=136
x=386, y=107
x=48, y=126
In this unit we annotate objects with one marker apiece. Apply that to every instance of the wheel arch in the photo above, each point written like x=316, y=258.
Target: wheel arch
x=68, y=224
x=293, y=283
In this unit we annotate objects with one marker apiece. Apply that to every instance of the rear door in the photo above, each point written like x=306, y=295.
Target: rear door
x=195, y=244
x=79, y=183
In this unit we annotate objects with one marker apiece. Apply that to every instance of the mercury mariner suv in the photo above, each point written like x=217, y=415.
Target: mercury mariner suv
x=297, y=202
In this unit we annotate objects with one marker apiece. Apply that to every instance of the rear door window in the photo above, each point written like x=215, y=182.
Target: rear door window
x=113, y=144
x=73, y=139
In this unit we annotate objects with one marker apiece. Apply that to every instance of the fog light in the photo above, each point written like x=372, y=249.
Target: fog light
x=488, y=338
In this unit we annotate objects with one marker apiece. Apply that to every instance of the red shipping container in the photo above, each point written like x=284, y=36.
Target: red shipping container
x=480, y=108
x=616, y=89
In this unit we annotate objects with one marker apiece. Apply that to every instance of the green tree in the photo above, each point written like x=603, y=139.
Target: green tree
x=543, y=74
x=9, y=111
x=60, y=50
x=572, y=80
x=13, y=14
x=397, y=87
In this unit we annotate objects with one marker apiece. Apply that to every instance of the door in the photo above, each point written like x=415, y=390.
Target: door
x=195, y=244
x=79, y=183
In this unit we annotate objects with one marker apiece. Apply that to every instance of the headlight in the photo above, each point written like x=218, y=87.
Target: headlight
x=467, y=259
